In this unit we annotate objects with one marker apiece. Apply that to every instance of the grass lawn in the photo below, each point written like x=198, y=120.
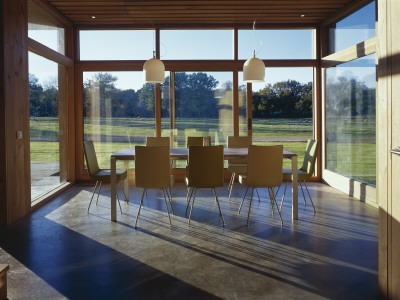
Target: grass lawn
x=355, y=159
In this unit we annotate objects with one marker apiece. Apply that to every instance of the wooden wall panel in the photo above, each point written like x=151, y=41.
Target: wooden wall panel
x=3, y=206
x=15, y=153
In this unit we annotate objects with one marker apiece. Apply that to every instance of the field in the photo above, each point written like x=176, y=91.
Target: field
x=354, y=158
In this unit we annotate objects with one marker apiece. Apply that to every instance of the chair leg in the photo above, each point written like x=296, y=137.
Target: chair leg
x=251, y=200
x=119, y=203
x=94, y=190
x=259, y=200
x=271, y=193
x=219, y=207
x=123, y=191
x=98, y=194
x=140, y=206
x=166, y=205
x=312, y=203
x=304, y=197
x=283, y=198
x=241, y=204
x=169, y=194
x=188, y=199
x=231, y=185
x=191, y=210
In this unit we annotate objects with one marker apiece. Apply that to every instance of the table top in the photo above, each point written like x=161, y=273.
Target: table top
x=182, y=153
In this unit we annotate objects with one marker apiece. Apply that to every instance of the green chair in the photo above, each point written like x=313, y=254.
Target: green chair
x=237, y=166
x=264, y=170
x=305, y=172
x=100, y=175
x=205, y=170
x=153, y=171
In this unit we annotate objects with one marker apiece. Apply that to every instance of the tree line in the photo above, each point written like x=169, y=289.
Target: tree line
x=196, y=96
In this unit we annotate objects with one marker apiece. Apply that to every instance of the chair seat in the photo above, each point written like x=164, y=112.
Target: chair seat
x=105, y=175
x=237, y=168
x=301, y=175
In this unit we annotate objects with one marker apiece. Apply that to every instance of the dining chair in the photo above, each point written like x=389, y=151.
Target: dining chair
x=158, y=141
x=198, y=141
x=237, y=166
x=305, y=172
x=100, y=175
x=205, y=170
x=153, y=171
x=264, y=170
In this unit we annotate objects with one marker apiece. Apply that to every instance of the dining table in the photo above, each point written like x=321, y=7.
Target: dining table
x=128, y=154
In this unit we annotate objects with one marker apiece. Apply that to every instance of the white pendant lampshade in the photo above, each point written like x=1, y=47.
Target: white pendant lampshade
x=154, y=71
x=254, y=70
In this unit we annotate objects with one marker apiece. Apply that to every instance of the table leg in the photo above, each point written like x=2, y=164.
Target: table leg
x=126, y=181
x=113, y=189
x=295, y=197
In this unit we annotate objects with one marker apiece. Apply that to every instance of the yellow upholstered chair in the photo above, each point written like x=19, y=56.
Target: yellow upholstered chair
x=153, y=170
x=237, y=166
x=198, y=141
x=157, y=141
x=264, y=170
x=306, y=170
x=205, y=170
x=99, y=175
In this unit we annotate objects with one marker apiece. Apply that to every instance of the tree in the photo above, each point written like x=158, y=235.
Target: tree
x=35, y=93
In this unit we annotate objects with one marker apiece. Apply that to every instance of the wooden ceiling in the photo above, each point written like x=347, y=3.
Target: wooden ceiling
x=164, y=13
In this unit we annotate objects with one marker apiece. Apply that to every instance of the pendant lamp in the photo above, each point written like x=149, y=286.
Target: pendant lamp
x=254, y=68
x=154, y=70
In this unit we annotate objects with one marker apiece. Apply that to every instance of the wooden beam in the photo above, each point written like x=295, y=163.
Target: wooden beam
x=345, y=11
x=48, y=53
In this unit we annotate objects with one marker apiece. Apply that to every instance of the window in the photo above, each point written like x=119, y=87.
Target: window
x=116, y=44
x=276, y=44
x=355, y=28
x=118, y=111
x=45, y=29
x=282, y=109
x=351, y=119
x=47, y=98
x=196, y=44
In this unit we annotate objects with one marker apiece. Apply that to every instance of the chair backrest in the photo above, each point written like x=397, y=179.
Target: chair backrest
x=91, y=158
x=264, y=166
x=206, y=166
x=152, y=167
x=157, y=141
x=198, y=141
x=310, y=157
x=239, y=142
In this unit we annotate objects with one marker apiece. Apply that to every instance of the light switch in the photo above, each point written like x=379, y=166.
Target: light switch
x=19, y=135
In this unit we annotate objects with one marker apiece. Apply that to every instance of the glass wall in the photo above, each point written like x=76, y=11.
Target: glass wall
x=351, y=119
x=287, y=44
x=242, y=105
x=45, y=29
x=196, y=44
x=354, y=29
x=118, y=111
x=47, y=107
x=282, y=109
x=116, y=44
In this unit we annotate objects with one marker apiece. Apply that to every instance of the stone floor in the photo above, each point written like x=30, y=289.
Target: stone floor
x=61, y=252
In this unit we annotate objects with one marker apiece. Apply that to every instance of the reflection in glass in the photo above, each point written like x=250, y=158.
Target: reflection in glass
x=355, y=28
x=47, y=101
x=351, y=119
x=117, y=114
x=276, y=44
x=196, y=44
x=116, y=44
x=44, y=28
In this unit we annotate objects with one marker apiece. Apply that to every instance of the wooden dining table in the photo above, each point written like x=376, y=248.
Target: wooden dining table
x=128, y=154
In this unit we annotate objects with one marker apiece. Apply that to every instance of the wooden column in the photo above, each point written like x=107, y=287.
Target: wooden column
x=14, y=113
x=388, y=137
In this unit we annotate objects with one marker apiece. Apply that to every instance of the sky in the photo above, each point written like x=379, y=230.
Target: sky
x=204, y=44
